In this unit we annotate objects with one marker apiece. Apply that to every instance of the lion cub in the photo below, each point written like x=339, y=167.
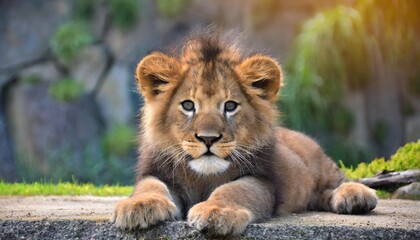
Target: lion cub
x=211, y=152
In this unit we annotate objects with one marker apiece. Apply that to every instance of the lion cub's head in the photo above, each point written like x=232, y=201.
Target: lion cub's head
x=209, y=108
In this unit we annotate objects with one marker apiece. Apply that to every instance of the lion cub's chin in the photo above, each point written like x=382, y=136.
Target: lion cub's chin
x=207, y=165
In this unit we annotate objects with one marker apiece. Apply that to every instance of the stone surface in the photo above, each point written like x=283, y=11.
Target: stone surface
x=99, y=21
x=26, y=28
x=89, y=66
x=113, y=96
x=57, y=207
x=383, y=107
x=359, y=134
x=46, y=71
x=43, y=128
x=8, y=166
x=411, y=191
x=414, y=102
x=129, y=45
x=87, y=217
x=4, y=79
x=412, y=128
x=79, y=229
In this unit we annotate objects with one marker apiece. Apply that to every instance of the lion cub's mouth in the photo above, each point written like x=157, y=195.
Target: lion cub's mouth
x=209, y=164
x=209, y=153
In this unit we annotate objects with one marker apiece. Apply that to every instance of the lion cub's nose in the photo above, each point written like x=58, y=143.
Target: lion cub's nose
x=208, y=140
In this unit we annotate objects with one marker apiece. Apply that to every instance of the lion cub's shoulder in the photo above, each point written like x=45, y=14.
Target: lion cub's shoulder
x=298, y=143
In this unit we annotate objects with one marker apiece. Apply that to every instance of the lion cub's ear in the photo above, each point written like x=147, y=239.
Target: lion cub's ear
x=262, y=75
x=156, y=73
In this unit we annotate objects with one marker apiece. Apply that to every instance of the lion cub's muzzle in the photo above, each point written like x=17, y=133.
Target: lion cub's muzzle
x=209, y=162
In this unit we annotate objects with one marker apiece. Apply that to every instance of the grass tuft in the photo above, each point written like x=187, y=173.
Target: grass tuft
x=407, y=157
x=62, y=188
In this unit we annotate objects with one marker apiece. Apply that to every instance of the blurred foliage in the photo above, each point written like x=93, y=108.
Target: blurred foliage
x=32, y=79
x=306, y=109
x=70, y=39
x=108, y=163
x=316, y=80
x=66, y=90
x=380, y=131
x=262, y=12
x=112, y=161
x=83, y=9
x=382, y=194
x=406, y=157
x=171, y=8
x=91, y=165
x=393, y=36
x=408, y=108
x=341, y=150
x=336, y=52
x=62, y=188
x=124, y=13
x=119, y=141
x=414, y=84
x=331, y=50
x=393, y=27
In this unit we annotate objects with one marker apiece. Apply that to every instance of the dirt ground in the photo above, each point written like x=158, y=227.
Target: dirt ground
x=403, y=214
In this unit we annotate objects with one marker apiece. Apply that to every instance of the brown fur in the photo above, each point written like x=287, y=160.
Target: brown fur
x=225, y=169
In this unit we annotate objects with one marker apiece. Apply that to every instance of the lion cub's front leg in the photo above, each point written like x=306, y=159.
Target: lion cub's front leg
x=150, y=203
x=232, y=206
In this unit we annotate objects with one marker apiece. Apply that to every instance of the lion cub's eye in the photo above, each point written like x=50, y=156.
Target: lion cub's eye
x=188, y=105
x=230, y=106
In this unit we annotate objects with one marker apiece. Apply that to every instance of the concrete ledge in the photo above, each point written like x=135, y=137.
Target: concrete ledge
x=86, y=229
x=87, y=218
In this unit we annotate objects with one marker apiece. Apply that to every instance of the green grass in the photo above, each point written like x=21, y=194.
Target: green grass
x=75, y=189
x=406, y=157
x=64, y=188
x=382, y=194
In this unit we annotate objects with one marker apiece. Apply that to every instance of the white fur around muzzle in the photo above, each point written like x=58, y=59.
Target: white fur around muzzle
x=207, y=165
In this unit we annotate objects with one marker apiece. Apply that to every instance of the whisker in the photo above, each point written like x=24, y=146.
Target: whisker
x=242, y=160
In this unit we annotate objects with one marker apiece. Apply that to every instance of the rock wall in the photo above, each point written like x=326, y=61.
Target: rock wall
x=34, y=124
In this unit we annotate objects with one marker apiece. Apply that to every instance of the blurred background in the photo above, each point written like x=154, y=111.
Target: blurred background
x=69, y=104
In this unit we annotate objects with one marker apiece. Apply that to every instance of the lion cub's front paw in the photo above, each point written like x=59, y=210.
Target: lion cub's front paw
x=353, y=198
x=144, y=211
x=207, y=216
